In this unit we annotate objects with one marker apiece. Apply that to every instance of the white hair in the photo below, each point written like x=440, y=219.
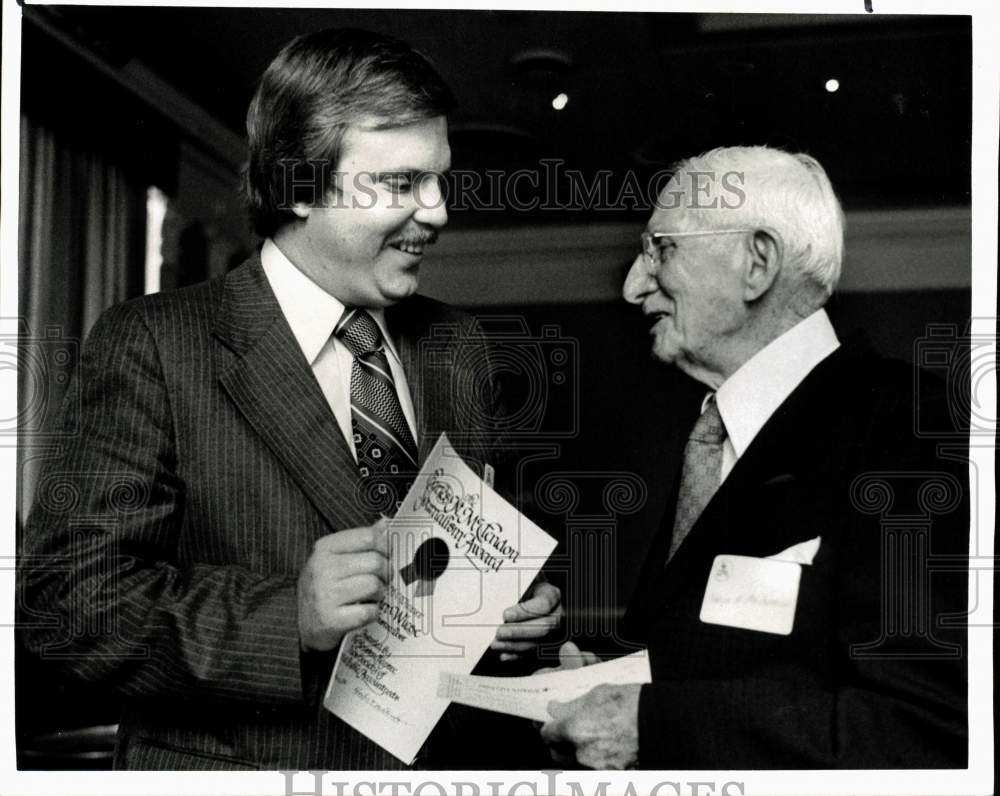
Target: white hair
x=759, y=186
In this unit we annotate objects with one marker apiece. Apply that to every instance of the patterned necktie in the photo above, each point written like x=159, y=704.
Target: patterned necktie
x=387, y=454
x=700, y=474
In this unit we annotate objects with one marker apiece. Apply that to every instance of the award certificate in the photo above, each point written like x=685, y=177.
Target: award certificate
x=459, y=555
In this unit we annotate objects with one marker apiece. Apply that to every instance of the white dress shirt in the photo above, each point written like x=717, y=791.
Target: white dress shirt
x=312, y=313
x=749, y=397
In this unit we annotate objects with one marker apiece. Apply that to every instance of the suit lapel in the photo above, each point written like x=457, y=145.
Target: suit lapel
x=274, y=388
x=407, y=324
x=409, y=356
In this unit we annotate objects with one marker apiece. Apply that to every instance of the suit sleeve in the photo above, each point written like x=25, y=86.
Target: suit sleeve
x=102, y=592
x=899, y=692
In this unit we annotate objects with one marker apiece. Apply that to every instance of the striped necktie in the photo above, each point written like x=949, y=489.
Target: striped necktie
x=386, y=451
x=700, y=473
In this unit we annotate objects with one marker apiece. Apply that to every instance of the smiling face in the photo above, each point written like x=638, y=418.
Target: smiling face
x=364, y=245
x=694, y=301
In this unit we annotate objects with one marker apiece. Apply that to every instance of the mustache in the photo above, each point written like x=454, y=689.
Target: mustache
x=417, y=239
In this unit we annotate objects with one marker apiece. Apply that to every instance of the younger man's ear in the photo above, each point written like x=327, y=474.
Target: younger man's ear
x=301, y=210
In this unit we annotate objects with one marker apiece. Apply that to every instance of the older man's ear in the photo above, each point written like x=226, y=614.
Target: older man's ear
x=763, y=264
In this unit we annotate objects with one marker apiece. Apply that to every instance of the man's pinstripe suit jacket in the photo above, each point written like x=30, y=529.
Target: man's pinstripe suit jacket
x=200, y=463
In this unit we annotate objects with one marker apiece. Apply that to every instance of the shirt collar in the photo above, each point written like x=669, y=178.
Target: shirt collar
x=749, y=397
x=311, y=312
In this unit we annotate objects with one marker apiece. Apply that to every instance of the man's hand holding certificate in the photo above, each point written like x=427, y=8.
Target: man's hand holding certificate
x=459, y=556
x=341, y=585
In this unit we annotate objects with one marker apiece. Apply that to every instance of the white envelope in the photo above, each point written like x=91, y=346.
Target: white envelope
x=529, y=696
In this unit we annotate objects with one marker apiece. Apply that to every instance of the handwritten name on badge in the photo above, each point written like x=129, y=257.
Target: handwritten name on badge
x=752, y=593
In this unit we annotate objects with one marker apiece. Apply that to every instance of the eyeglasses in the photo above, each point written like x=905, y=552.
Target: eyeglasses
x=657, y=251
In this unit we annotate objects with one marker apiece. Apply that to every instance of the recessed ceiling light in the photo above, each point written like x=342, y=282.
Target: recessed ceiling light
x=555, y=61
x=559, y=101
x=832, y=84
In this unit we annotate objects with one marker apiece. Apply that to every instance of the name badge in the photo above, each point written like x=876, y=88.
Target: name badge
x=752, y=593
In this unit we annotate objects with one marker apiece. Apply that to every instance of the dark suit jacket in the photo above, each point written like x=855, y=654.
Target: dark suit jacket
x=201, y=463
x=873, y=673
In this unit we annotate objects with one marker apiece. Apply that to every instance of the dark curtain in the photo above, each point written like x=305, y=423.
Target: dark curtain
x=88, y=152
x=81, y=247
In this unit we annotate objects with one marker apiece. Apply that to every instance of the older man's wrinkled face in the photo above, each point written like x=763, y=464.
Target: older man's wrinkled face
x=693, y=300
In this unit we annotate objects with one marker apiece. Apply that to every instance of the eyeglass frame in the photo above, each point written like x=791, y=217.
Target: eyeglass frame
x=651, y=251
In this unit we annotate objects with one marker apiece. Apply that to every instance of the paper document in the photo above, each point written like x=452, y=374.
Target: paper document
x=459, y=555
x=528, y=696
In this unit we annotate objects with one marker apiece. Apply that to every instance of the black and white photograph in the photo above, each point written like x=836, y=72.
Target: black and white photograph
x=487, y=401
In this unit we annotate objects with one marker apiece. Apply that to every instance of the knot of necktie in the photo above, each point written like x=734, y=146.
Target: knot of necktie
x=709, y=428
x=359, y=332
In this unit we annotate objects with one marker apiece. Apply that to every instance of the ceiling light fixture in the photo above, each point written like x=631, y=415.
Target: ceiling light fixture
x=553, y=62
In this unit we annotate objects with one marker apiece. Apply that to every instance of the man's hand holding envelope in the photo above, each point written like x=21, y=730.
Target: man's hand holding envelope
x=598, y=729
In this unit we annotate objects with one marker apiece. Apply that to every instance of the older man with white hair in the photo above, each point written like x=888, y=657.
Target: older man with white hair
x=787, y=603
